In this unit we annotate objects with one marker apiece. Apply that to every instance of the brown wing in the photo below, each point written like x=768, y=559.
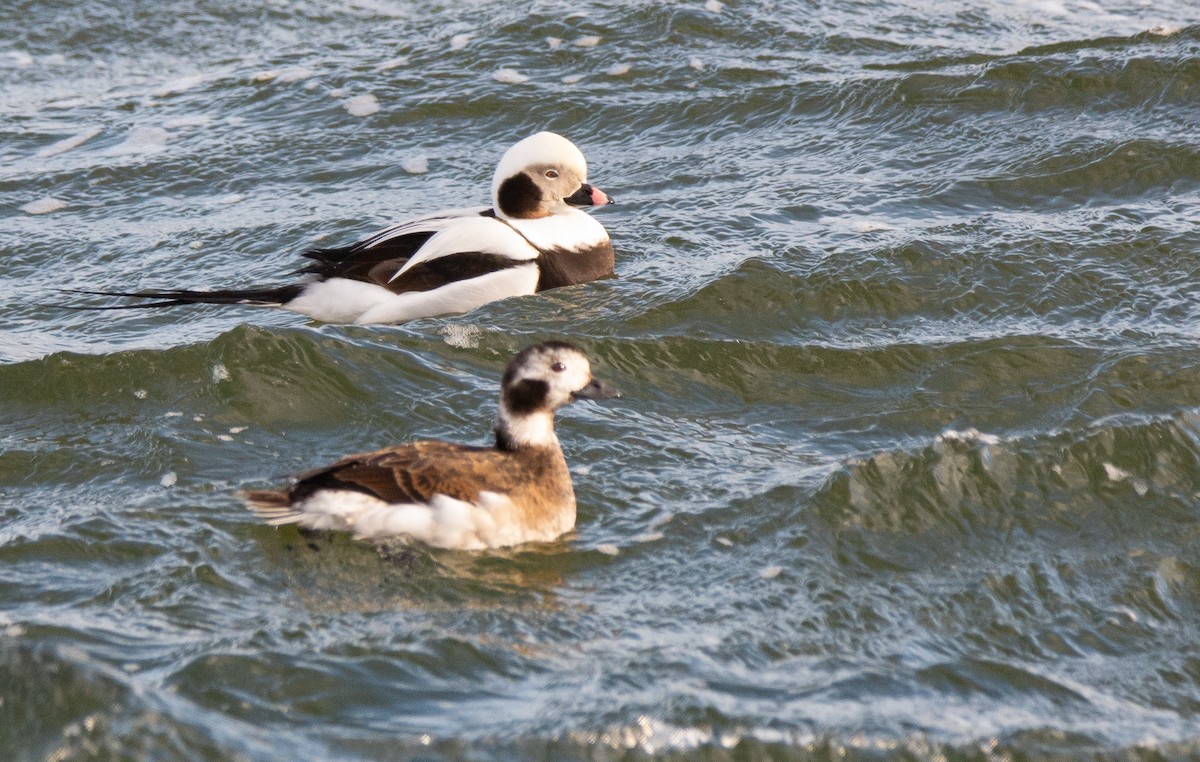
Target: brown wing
x=412, y=473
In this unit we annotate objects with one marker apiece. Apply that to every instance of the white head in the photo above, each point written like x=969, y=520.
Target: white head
x=539, y=380
x=544, y=174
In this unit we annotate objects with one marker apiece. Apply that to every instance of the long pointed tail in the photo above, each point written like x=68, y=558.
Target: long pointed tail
x=271, y=506
x=260, y=297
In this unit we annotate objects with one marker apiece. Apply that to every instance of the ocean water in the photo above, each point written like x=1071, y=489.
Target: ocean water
x=908, y=461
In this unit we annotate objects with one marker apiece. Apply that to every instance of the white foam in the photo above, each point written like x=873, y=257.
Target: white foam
x=572, y=79
x=968, y=435
x=168, y=479
x=67, y=144
x=608, y=549
x=294, y=74
x=180, y=85
x=771, y=572
x=66, y=103
x=415, y=165
x=219, y=373
x=183, y=122
x=554, y=43
x=714, y=6
x=587, y=42
x=459, y=41
x=43, y=206
x=362, y=105
x=870, y=226
x=20, y=58
x=509, y=76
x=1114, y=473
x=462, y=336
x=1164, y=30
x=696, y=63
x=393, y=63
x=141, y=141
x=289, y=74
x=618, y=70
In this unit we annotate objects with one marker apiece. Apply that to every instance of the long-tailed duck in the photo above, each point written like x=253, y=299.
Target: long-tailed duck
x=532, y=238
x=457, y=496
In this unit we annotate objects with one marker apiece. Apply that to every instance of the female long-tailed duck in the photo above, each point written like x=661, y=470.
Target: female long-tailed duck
x=533, y=237
x=457, y=496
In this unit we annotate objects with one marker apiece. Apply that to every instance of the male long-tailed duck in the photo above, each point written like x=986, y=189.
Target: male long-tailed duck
x=532, y=238
x=457, y=496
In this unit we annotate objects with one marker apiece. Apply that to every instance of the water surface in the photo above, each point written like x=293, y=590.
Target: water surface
x=908, y=463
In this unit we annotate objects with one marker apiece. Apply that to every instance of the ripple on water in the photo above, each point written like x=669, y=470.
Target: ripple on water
x=906, y=465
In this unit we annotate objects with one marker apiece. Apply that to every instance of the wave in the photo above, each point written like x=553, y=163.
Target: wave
x=1117, y=483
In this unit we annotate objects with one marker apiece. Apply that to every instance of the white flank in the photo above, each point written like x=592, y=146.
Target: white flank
x=443, y=522
x=338, y=300
x=460, y=296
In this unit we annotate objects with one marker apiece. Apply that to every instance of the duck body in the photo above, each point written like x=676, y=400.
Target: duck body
x=443, y=494
x=451, y=263
x=450, y=495
x=534, y=237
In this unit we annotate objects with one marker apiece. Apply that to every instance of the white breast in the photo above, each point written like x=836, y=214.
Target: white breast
x=571, y=229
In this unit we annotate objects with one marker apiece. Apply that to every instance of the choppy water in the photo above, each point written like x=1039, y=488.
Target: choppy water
x=908, y=464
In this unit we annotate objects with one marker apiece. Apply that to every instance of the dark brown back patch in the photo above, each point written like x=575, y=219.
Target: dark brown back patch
x=519, y=197
x=441, y=271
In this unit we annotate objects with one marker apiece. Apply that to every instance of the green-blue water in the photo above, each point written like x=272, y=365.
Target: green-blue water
x=908, y=462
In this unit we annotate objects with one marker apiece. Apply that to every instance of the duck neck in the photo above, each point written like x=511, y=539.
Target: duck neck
x=527, y=431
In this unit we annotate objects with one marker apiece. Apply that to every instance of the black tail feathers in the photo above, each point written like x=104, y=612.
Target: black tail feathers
x=260, y=297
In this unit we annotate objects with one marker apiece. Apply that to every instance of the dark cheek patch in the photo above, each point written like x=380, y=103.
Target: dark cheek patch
x=526, y=396
x=519, y=196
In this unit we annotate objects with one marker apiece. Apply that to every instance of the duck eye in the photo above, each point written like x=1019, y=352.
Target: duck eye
x=552, y=174
x=558, y=367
